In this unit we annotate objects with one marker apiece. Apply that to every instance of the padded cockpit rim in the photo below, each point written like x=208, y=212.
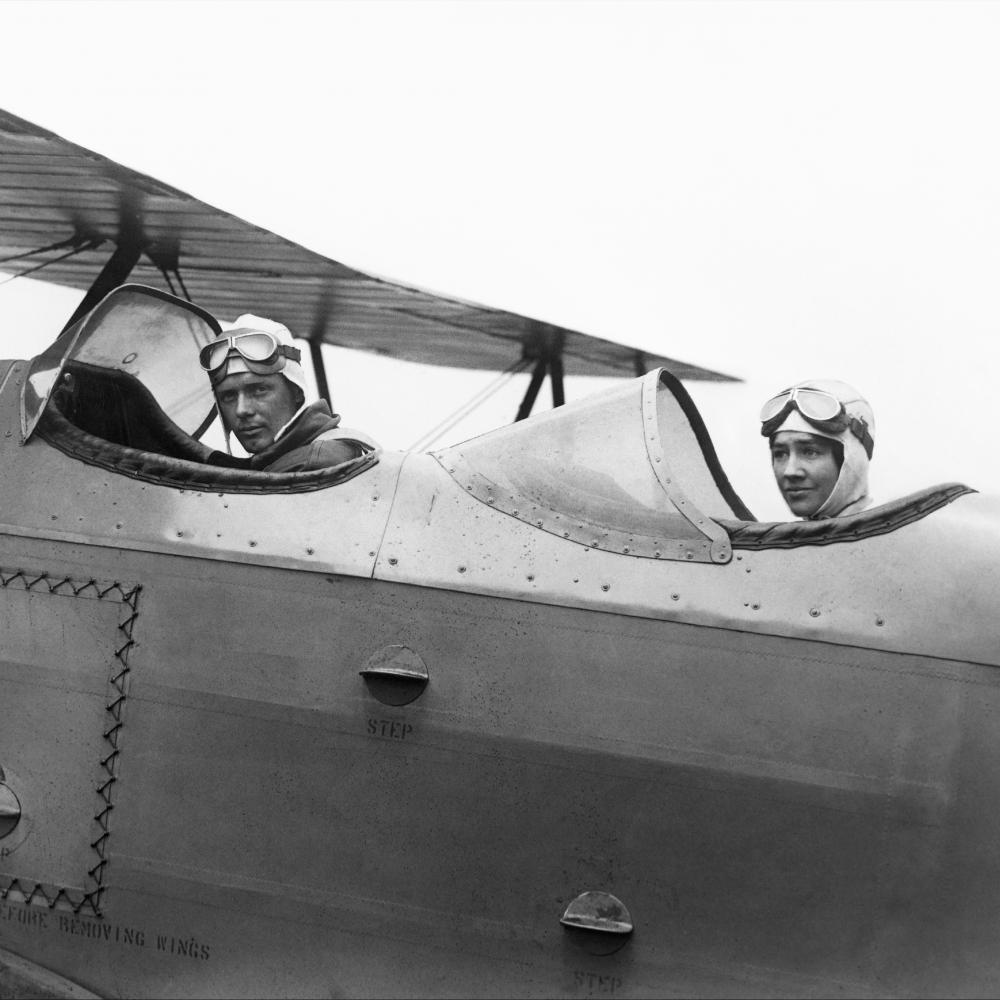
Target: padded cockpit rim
x=179, y=443
x=180, y=473
x=866, y=524
x=736, y=505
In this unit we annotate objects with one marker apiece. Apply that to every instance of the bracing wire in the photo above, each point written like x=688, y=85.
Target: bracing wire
x=72, y=241
x=424, y=442
x=170, y=281
x=180, y=281
x=55, y=260
x=167, y=279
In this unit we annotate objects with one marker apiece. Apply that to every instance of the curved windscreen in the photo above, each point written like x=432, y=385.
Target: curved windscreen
x=146, y=333
x=630, y=470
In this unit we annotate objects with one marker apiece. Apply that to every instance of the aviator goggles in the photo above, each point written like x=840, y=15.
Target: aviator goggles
x=820, y=408
x=263, y=353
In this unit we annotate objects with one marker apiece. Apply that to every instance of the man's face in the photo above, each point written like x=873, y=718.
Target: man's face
x=806, y=469
x=255, y=407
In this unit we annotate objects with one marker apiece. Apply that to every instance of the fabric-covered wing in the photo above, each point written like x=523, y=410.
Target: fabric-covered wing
x=82, y=206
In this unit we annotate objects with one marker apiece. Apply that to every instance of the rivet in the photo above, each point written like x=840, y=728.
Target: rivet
x=879, y=620
x=374, y=499
x=530, y=578
x=689, y=555
x=539, y=523
x=565, y=534
x=656, y=555
x=461, y=569
x=755, y=606
x=814, y=612
x=748, y=569
x=393, y=561
x=489, y=499
x=118, y=525
x=253, y=544
x=516, y=512
x=675, y=597
x=605, y=586
x=625, y=550
x=180, y=534
x=309, y=552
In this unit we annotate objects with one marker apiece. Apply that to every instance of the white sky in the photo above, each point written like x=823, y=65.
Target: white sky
x=774, y=190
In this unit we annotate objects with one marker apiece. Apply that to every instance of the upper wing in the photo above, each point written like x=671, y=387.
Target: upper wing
x=81, y=206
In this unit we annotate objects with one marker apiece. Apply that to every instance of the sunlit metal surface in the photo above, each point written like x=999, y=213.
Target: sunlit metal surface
x=781, y=762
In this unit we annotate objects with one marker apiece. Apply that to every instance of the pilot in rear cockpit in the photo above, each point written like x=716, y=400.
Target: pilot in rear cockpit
x=820, y=432
x=262, y=394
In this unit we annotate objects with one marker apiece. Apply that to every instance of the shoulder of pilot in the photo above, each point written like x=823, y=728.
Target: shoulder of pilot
x=348, y=436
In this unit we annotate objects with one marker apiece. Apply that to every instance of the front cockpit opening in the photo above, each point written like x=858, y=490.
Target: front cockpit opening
x=123, y=390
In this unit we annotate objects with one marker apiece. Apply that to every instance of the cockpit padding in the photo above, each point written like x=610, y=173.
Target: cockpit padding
x=107, y=418
x=851, y=528
x=117, y=407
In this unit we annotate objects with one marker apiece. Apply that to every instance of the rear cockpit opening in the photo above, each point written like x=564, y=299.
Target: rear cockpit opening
x=633, y=470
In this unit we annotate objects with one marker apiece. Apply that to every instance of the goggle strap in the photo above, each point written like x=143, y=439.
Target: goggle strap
x=859, y=428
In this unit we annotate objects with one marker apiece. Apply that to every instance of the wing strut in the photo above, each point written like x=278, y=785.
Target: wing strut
x=113, y=274
x=319, y=369
x=315, y=339
x=544, y=346
x=128, y=249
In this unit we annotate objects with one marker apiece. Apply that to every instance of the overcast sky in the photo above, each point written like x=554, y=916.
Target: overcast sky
x=774, y=190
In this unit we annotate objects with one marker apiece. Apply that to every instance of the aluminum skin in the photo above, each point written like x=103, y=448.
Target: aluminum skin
x=780, y=761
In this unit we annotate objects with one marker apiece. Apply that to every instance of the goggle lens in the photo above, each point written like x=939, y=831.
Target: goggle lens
x=256, y=347
x=214, y=355
x=774, y=406
x=812, y=403
x=818, y=405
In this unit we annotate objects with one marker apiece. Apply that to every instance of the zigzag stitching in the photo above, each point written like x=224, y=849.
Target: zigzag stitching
x=129, y=598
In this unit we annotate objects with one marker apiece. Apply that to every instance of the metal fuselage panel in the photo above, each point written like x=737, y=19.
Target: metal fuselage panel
x=781, y=817
x=407, y=521
x=903, y=591
x=45, y=493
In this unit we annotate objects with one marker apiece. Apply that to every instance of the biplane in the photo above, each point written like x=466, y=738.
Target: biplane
x=543, y=713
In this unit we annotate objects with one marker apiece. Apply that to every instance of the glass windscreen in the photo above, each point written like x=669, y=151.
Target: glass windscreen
x=624, y=470
x=144, y=332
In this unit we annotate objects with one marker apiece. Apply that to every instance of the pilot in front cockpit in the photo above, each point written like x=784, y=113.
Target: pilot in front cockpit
x=262, y=394
x=820, y=432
